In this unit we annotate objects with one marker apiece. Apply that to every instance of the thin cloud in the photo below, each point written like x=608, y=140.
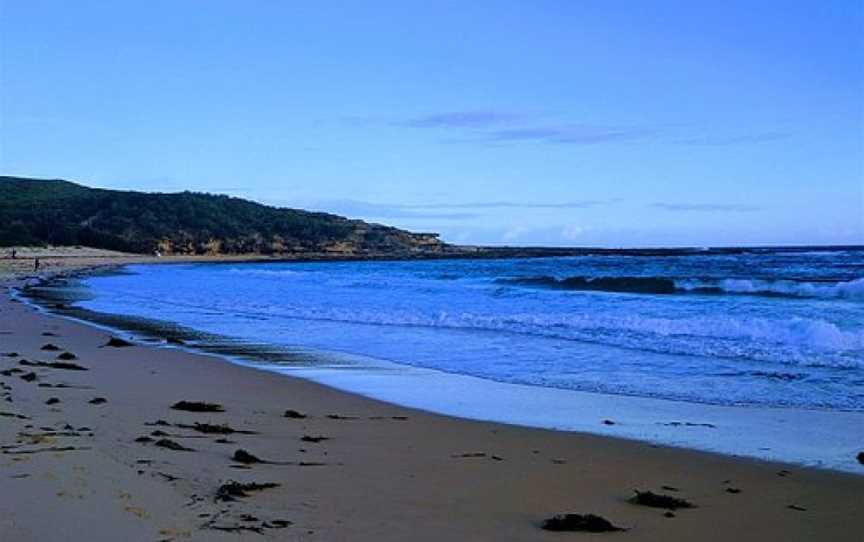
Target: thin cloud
x=707, y=207
x=441, y=211
x=501, y=127
x=572, y=134
x=461, y=119
x=735, y=140
x=514, y=205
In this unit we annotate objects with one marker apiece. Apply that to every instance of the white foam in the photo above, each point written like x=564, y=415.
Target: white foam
x=853, y=289
x=825, y=439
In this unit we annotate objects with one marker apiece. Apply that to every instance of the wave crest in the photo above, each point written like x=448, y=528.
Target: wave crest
x=850, y=290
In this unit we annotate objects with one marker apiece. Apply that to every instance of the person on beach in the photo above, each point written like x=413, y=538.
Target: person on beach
x=36, y=264
x=14, y=253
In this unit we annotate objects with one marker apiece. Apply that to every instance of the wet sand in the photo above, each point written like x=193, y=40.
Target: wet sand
x=79, y=469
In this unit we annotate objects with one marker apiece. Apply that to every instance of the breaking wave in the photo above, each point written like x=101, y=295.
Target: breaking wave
x=850, y=290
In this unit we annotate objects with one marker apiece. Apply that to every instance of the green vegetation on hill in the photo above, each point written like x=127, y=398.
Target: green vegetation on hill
x=55, y=212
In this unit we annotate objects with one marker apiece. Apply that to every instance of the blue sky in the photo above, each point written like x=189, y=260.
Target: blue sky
x=622, y=123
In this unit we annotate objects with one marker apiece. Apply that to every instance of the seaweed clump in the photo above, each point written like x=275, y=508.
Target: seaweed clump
x=587, y=523
x=659, y=500
x=116, y=342
x=197, y=406
x=231, y=491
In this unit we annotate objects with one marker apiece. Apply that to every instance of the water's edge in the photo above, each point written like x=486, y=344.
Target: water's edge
x=812, y=438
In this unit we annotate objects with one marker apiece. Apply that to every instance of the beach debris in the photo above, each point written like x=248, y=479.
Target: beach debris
x=470, y=454
x=659, y=500
x=50, y=347
x=293, y=414
x=242, y=456
x=13, y=415
x=116, y=342
x=608, y=422
x=688, y=424
x=197, y=406
x=53, y=365
x=52, y=401
x=98, y=401
x=587, y=523
x=67, y=356
x=171, y=445
x=29, y=377
x=48, y=334
x=861, y=457
x=215, y=429
x=231, y=491
x=39, y=450
x=308, y=438
x=169, y=477
x=796, y=508
x=341, y=417
x=399, y=418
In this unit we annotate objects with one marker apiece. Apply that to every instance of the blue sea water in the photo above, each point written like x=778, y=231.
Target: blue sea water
x=765, y=329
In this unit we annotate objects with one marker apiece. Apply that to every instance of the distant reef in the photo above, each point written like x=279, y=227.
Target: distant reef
x=58, y=212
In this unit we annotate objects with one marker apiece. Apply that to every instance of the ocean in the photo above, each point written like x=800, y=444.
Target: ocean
x=515, y=339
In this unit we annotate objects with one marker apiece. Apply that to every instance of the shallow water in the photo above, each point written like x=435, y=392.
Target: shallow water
x=767, y=329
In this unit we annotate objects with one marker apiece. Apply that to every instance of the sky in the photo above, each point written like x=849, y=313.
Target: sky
x=547, y=122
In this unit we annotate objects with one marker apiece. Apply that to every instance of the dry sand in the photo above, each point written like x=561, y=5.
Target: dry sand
x=384, y=473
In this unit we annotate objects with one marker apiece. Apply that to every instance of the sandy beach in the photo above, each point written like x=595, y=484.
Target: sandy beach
x=93, y=450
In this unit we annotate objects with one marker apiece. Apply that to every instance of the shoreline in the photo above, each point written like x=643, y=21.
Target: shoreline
x=756, y=432
x=385, y=478
x=782, y=434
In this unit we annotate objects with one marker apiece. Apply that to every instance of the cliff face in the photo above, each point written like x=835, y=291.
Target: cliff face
x=36, y=212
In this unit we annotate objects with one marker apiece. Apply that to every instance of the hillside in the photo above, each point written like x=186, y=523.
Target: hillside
x=56, y=212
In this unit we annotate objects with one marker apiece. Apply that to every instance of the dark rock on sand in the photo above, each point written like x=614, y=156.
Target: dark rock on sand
x=587, y=523
x=231, y=491
x=214, y=429
x=54, y=365
x=116, y=342
x=242, y=456
x=52, y=401
x=98, y=401
x=659, y=500
x=50, y=347
x=29, y=377
x=861, y=458
x=197, y=406
x=171, y=445
x=67, y=356
x=293, y=414
x=308, y=438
